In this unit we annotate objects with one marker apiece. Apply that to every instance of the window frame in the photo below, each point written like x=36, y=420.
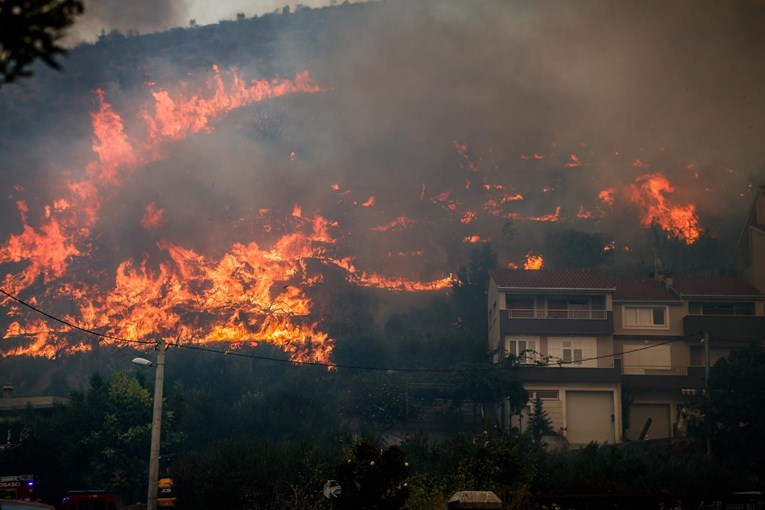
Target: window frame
x=651, y=311
x=530, y=354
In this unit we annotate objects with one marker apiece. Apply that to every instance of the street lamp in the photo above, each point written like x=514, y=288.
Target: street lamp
x=156, y=423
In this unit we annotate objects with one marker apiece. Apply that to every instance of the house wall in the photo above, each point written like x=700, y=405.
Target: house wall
x=755, y=273
x=496, y=304
x=675, y=314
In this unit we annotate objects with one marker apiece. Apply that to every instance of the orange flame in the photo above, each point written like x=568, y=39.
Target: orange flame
x=534, y=262
x=649, y=192
x=400, y=223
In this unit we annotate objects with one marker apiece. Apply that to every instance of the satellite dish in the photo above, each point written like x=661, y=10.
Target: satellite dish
x=331, y=489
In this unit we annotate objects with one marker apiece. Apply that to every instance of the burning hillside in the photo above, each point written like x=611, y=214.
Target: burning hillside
x=217, y=204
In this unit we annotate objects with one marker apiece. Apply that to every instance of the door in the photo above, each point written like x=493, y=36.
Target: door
x=590, y=417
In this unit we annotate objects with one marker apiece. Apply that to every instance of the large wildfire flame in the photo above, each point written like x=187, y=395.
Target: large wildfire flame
x=680, y=220
x=251, y=294
x=255, y=289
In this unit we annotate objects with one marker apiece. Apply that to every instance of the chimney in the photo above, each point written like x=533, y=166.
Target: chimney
x=7, y=390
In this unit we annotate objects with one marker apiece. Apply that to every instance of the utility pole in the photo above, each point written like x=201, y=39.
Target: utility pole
x=705, y=339
x=156, y=425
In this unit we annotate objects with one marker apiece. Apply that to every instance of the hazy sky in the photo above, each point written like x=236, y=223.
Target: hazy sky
x=146, y=16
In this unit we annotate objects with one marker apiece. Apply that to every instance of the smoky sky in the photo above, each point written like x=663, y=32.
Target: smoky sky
x=142, y=16
x=439, y=110
x=148, y=16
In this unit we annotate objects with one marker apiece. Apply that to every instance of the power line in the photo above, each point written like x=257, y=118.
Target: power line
x=238, y=354
x=316, y=363
x=69, y=324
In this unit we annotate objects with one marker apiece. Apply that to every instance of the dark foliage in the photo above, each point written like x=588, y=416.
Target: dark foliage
x=31, y=30
x=373, y=479
x=734, y=407
x=574, y=249
x=470, y=290
x=539, y=423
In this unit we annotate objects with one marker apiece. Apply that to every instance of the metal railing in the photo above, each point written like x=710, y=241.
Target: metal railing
x=539, y=313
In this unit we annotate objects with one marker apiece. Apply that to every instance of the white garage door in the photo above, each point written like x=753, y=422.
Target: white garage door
x=659, y=416
x=590, y=416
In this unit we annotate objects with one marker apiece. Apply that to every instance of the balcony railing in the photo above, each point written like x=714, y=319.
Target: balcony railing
x=557, y=314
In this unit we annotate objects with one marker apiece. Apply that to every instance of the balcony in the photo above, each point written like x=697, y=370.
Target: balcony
x=692, y=377
x=554, y=321
x=743, y=328
x=536, y=374
x=557, y=314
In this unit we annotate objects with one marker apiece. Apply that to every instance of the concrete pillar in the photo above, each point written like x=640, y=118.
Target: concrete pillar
x=474, y=500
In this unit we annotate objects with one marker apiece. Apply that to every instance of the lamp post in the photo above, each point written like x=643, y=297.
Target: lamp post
x=705, y=340
x=156, y=423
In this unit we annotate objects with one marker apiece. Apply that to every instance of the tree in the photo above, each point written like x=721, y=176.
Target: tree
x=571, y=248
x=470, y=290
x=539, y=423
x=733, y=408
x=31, y=30
x=374, y=479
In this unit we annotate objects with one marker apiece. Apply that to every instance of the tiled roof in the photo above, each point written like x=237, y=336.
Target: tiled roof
x=713, y=286
x=643, y=290
x=551, y=279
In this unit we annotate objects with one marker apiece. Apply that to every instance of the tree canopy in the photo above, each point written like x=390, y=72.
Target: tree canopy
x=31, y=30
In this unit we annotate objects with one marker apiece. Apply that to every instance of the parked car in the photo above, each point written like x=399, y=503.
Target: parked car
x=19, y=504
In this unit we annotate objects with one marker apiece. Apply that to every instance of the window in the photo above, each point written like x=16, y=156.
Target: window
x=700, y=308
x=518, y=306
x=543, y=394
x=573, y=352
x=645, y=317
x=568, y=308
x=638, y=358
x=524, y=349
x=570, y=353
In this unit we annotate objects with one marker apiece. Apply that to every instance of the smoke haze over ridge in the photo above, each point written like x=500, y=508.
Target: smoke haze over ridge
x=436, y=123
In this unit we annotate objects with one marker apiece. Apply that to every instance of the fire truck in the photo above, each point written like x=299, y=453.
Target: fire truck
x=17, y=487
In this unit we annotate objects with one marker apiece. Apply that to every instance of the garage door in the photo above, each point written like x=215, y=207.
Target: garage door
x=660, y=421
x=590, y=416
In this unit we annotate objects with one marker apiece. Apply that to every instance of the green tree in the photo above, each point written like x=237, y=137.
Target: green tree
x=31, y=30
x=539, y=423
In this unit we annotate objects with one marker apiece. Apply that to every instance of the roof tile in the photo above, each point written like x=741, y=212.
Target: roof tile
x=713, y=286
x=643, y=290
x=551, y=279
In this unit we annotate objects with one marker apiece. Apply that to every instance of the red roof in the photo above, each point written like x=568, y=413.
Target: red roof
x=643, y=290
x=713, y=286
x=579, y=279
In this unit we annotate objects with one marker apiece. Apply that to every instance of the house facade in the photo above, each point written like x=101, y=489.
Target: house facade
x=12, y=410
x=616, y=360
x=750, y=250
x=559, y=325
